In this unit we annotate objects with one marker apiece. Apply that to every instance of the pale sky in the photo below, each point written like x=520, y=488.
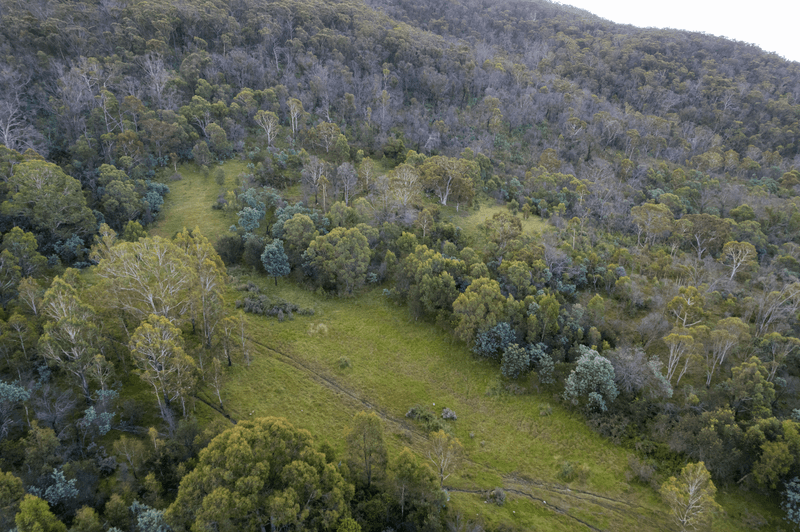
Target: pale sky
x=773, y=25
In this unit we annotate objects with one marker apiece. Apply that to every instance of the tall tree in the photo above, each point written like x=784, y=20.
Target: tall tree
x=691, y=497
x=11, y=494
x=480, y=307
x=298, y=232
x=687, y=307
x=275, y=261
x=366, y=447
x=268, y=121
x=445, y=453
x=339, y=259
x=296, y=113
x=48, y=200
x=161, y=362
x=10, y=276
x=35, y=516
x=727, y=335
x=210, y=275
x=313, y=175
x=447, y=175
x=324, y=135
x=151, y=276
x=652, y=220
x=680, y=345
x=704, y=232
x=412, y=482
x=262, y=474
x=405, y=184
x=71, y=338
x=347, y=181
x=739, y=255
x=24, y=248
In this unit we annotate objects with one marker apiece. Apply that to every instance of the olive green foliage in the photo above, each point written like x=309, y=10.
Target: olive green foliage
x=22, y=246
x=48, y=200
x=261, y=473
x=11, y=494
x=35, y=516
x=367, y=453
x=427, y=279
x=349, y=524
x=339, y=260
x=480, y=307
x=298, y=232
x=637, y=190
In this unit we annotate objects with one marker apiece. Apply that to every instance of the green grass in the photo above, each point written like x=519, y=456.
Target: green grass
x=469, y=220
x=189, y=201
x=396, y=363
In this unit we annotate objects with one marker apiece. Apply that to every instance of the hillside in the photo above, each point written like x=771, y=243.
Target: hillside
x=580, y=237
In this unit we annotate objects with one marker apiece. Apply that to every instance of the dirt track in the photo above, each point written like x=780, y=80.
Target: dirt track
x=558, y=498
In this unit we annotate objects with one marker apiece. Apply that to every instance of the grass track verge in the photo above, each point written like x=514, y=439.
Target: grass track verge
x=395, y=363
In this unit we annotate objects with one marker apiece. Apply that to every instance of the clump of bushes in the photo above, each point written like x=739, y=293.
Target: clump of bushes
x=261, y=304
x=265, y=306
x=570, y=471
x=497, y=496
x=640, y=471
x=429, y=420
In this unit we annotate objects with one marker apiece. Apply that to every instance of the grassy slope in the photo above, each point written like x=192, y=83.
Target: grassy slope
x=396, y=363
x=189, y=201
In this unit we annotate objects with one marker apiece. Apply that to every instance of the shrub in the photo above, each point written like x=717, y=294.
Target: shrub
x=640, y=471
x=591, y=382
x=570, y=471
x=791, y=501
x=492, y=343
x=497, y=496
x=264, y=306
x=515, y=361
x=429, y=420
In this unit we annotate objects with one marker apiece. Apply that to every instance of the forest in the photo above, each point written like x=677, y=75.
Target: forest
x=248, y=247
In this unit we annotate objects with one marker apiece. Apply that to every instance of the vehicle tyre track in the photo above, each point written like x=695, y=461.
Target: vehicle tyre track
x=514, y=483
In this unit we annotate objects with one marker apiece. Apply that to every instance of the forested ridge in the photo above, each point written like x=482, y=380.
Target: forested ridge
x=639, y=270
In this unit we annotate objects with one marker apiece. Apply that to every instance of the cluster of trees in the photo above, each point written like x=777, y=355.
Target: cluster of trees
x=142, y=86
x=260, y=473
x=151, y=317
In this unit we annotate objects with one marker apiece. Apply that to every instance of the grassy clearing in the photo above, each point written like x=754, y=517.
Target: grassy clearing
x=189, y=202
x=368, y=353
x=469, y=220
x=394, y=363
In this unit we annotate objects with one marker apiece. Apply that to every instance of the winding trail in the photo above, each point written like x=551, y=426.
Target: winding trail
x=560, y=499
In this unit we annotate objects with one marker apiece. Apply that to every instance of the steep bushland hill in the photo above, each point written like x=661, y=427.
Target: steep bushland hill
x=641, y=264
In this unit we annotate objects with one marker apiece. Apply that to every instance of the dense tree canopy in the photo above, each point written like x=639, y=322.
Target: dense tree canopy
x=261, y=473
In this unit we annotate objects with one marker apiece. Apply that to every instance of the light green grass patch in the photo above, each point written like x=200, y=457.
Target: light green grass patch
x=189, y=202
x=470, y=220
x=395, y=363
